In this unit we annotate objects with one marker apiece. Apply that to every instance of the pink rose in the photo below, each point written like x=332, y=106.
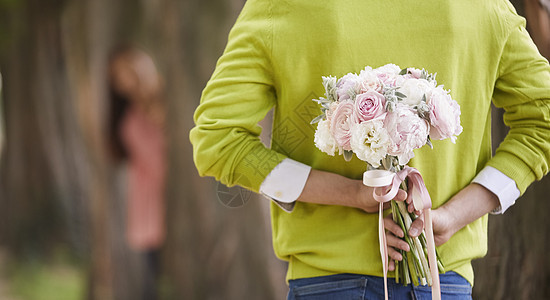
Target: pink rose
x=369, y=105
x=444, y=115
x=407, y=132
x=341, y=123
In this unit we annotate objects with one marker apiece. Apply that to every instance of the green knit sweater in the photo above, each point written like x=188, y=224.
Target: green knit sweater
x=275, y=57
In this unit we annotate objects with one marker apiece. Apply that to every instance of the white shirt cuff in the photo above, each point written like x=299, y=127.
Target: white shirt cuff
x=502, y=186
x=285, y=183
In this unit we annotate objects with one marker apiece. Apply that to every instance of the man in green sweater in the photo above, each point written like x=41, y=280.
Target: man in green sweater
x=322, y=215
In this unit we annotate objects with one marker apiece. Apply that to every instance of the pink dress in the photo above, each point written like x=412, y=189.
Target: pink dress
x=145, y=144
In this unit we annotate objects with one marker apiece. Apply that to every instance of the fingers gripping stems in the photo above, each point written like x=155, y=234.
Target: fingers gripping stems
x=386, y=186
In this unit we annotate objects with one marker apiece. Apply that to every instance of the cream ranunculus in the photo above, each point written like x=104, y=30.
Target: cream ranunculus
x=369, y=81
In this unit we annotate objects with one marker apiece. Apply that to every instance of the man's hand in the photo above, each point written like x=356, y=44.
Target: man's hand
x=370, y=205
x=471, y=203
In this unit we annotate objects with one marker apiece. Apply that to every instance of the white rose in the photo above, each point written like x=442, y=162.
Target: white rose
x=414, y=89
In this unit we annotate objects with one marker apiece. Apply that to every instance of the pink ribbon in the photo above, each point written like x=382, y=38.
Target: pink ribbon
x=384, y=191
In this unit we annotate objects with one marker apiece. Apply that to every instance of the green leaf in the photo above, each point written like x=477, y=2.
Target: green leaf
x=317, y=119
x=321, y=100
x=348, y=155
x=406, y=274
x=397, y=272
x=385, y=163
x=424, y=75
x=429, y=142
x=400, y=95
x=404, y=71
x=412, y=269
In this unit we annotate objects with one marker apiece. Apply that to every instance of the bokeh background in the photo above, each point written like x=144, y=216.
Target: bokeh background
x=61, y=214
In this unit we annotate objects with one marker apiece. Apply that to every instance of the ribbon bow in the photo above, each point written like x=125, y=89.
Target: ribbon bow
x=381, y=180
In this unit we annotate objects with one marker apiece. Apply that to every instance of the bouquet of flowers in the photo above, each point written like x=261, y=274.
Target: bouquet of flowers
x=381, y=115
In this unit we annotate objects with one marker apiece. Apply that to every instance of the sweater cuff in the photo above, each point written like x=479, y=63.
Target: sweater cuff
x=514, y=168
x=285, y=183
x=253, y=168
x=499, y=184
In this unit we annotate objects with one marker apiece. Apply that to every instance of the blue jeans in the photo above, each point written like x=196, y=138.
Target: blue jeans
x=352, y=286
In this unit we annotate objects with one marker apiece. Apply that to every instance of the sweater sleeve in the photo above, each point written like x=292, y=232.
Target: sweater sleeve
x=523, y=90
x=225, y=138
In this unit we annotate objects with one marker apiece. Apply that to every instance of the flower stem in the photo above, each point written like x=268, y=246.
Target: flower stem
x=414, y=266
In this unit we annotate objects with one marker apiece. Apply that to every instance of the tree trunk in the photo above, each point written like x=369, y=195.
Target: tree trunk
x=41, y=168
x=208, y=245
x=538, y=23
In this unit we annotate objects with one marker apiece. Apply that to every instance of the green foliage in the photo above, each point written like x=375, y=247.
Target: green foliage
x=10, y=10
x=57, y=279
x=7, y=4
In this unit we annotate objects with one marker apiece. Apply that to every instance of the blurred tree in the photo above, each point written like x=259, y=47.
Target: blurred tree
x=517, y=264
x=50, y=171
x=56, y=185
x=537, y=13
x=1, y=119
x=42, y=159
x=212, y=252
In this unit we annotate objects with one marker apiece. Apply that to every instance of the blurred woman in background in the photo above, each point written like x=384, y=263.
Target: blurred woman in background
x=138, y=138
